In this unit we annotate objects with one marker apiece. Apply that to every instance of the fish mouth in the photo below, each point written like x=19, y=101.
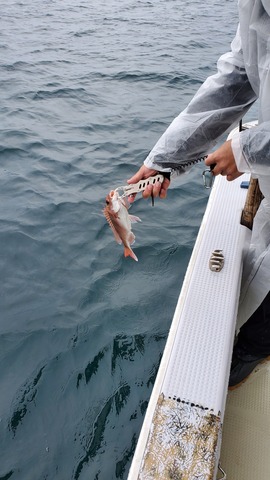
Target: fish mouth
x=110, y=195
x=114, y=195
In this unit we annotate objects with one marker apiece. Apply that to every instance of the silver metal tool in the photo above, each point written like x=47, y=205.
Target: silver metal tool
x=140, y=186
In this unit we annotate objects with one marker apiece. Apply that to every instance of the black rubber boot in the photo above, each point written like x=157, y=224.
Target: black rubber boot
x=242, y=365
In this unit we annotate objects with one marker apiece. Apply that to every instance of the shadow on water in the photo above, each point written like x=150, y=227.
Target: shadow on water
x=121, y=354
x=88, y=403
x=7, y=476
x=27, y=396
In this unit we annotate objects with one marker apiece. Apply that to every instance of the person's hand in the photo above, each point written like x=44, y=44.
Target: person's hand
x=156, y=190
x=224, y=162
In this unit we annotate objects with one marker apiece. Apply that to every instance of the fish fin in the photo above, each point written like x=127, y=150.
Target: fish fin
x=134, y=219
x=128, y=252
x=131, y=238
x=116, y=236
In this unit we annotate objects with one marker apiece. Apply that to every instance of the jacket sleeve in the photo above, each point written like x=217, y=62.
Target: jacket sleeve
x=219, y=104
x=251, y=150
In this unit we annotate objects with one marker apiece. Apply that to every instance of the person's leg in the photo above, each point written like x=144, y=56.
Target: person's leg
x=253, y=344
x=254, y=336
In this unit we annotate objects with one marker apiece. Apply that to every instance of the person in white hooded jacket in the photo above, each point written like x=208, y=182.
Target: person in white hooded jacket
x=243, y=77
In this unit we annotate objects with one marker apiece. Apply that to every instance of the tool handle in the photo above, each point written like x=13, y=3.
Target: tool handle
x=142, y=184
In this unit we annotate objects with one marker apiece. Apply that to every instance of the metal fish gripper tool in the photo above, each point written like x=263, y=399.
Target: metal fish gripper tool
x=142, y=185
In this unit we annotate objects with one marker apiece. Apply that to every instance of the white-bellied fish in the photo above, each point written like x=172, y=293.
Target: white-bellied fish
x=116, y=213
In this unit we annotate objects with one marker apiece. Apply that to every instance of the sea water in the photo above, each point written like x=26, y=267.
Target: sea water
x=86, y=89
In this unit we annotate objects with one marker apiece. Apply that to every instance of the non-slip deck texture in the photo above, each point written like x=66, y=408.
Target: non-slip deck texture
x=195, y=365
x=200, y=357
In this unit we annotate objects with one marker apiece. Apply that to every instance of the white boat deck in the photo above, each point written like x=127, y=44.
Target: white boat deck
x=181, y=434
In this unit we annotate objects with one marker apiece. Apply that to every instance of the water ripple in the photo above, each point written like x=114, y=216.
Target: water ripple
x=86, y=89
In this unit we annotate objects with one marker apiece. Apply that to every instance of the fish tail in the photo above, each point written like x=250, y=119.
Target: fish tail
x=128, y=252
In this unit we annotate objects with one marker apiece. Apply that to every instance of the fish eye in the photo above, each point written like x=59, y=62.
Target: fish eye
x=107, y=202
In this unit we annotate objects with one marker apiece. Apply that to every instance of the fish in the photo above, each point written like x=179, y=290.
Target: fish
x=117, y=216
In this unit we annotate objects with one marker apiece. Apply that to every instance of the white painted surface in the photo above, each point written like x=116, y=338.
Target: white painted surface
x=196, y=359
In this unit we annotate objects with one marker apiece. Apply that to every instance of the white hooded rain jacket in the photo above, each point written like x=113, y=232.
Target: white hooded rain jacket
x=243, y=77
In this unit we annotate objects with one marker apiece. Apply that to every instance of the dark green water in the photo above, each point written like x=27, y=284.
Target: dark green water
x=86, y=88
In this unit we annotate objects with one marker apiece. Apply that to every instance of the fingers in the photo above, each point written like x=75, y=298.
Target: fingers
x=164, y=187
x=233, y=176
x=156, y=190
x=142, y=173
x=223, y=162
x=230, y=171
